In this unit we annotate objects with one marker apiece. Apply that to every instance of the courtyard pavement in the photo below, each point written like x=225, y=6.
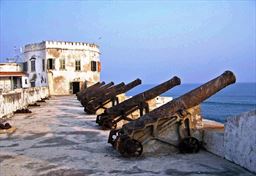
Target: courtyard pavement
x=58, y=138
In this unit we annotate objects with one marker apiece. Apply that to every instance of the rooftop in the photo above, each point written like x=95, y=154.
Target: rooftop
x=8, y=74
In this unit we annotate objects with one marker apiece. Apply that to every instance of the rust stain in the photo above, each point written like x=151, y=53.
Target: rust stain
x=59, y=85
x=54, y=52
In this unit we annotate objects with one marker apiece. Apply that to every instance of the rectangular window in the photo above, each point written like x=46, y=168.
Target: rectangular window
x=33, y=65
x=78, y=65
x=93, y=65
x=62, y=64
x=33, y=84
x=51, y=64
x=25, y=66
x=43, y=64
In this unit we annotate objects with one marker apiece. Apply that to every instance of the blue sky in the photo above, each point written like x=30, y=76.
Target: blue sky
x=152, y=40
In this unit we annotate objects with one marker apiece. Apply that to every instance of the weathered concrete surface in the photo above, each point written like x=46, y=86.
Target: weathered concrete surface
x=214, y=141
x=58, y=139
x=213, y=137
x=240, y=140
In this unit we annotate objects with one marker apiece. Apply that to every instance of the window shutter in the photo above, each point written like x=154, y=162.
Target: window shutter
x=99, y=66
x=43, y=64
x=70, y=87
x=91, y=65
x=48, y=63
x=53, y=64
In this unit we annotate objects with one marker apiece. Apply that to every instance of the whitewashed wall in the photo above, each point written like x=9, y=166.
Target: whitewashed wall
x=240, y=140
x=10, y=67
x=59, y=80
x=237, y=142
x=40, y=74
x=20, y=98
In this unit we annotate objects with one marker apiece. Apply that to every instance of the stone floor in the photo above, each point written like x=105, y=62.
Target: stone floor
x=59, y=139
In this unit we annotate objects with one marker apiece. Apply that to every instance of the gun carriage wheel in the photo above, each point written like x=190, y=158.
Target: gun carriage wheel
x=129, y=147
x=189, y=145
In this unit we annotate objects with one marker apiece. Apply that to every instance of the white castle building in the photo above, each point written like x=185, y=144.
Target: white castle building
x=63, y=66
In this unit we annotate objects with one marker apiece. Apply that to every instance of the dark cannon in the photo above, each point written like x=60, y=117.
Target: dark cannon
x=98, y=95
x=83, y=91
x=136, y=135
x=111, y=116
x=90, y=95
x=111, y=96
x=91, y=92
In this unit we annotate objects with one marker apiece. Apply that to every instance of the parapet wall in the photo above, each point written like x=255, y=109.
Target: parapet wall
x=240, y=140
x=237, y=142
x=20, y=98
x=61, y=45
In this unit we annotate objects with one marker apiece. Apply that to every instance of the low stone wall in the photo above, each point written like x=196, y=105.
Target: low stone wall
x=214, y=141
x=240, y=140
x=237, y=142
x=20, y=98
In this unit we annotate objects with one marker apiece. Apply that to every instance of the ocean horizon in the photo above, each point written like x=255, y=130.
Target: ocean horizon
x=230, y=101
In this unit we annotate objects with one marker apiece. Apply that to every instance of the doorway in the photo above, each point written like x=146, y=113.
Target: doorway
x=75, y=87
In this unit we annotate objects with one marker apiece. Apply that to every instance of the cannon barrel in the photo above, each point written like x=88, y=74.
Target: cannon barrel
x=89, y=105
x=98, y=84
x=103, y=91
x=144, y=96
x=113, y=115
x=99, y=89
x=106, y=86
x=101, y=101
x=90, y=88
x=131, y=85
x=89, y=95
x=186, y=101
x=116, y=92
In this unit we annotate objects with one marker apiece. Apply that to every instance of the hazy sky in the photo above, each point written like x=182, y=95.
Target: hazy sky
x=195, y=40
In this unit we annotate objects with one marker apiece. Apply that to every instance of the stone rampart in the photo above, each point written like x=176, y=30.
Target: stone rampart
x=20, y=98
x=237, y=142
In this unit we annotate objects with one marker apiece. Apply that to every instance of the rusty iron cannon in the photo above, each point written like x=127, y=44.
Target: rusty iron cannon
x=111, y=96
x=88, y=89
x=111, y=116
x=143, y=135
x=90, y=95
x=87, y=95
x=98, y=95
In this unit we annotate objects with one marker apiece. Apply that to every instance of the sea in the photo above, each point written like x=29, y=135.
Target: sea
x=230, y=101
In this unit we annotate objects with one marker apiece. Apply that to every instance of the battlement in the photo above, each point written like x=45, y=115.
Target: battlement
x=67, y=43
x=61, y=45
